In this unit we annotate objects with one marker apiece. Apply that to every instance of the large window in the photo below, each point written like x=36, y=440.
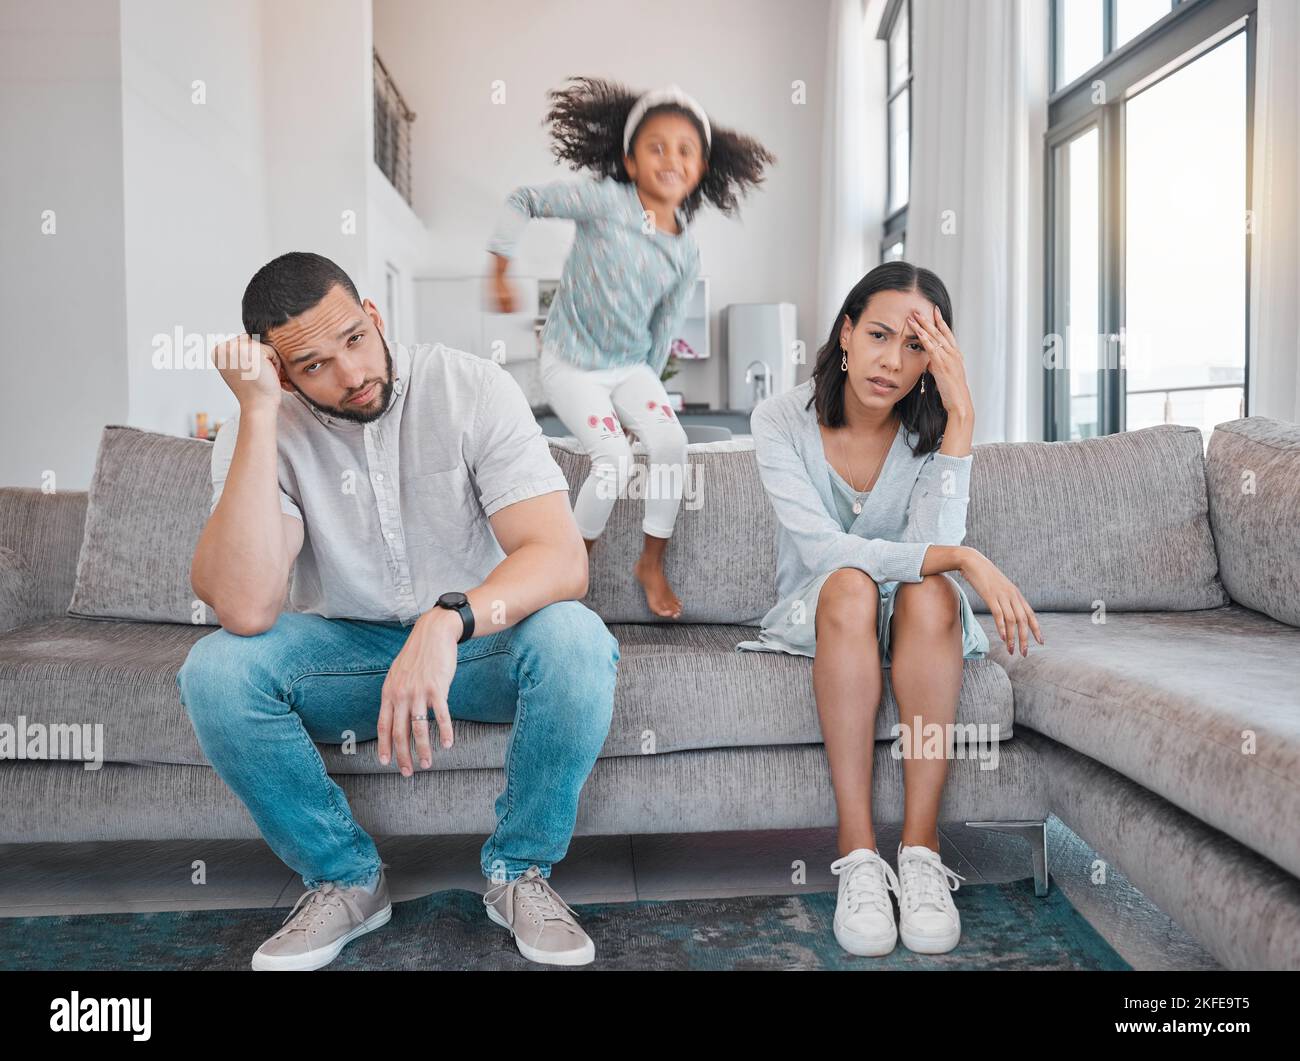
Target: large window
x=1089, y=30
x=896, y=30
x=1148, y=186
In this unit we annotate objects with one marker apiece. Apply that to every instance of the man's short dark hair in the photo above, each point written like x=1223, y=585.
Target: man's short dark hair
x=289, y=285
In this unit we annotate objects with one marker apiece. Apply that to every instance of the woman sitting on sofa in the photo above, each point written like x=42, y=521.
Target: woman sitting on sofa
x=867, y=465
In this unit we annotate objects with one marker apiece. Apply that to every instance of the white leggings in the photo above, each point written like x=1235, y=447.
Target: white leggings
x=591, y=403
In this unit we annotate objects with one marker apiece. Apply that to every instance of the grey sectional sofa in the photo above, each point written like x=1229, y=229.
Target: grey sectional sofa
x=1161, y=720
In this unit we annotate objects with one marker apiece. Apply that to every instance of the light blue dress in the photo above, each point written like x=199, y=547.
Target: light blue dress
x=785, y=452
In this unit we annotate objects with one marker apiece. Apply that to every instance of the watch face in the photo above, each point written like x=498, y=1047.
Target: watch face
x=453, y=600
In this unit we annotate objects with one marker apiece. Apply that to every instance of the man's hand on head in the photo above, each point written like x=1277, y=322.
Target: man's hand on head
x=251, y=370
x=418, y=682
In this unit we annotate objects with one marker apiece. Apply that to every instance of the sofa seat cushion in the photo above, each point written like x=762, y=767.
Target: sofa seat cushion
x=116, y=673
x=688, y=687
x=679, y=687
x=1201, y=707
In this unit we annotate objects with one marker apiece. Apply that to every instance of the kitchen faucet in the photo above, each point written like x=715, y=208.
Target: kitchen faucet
x=761, y=381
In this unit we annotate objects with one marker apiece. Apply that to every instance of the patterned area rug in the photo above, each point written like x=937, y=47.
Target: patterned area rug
x=1004, y=926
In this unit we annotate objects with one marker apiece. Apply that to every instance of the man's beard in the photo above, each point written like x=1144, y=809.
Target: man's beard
x=351, y=413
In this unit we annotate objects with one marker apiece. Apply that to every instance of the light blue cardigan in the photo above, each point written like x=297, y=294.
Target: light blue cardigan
x=916, y=502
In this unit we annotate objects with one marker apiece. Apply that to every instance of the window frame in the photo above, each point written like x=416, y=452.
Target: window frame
x=894, y=227
x=1190, y=30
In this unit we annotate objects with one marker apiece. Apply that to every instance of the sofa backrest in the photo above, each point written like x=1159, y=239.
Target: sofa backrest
x=1123, y=519
x=40, y=537
x=1118, y=519
x=149, y=499
x=150, y=494
x=1253, y=479
x=722, y=558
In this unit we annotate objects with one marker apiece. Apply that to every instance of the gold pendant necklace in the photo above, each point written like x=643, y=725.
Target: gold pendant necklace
x=857, y=501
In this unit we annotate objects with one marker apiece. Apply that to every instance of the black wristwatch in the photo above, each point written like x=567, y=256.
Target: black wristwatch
x=458, y=602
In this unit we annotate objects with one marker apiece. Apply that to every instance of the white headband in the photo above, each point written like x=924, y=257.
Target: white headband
x=671, y=94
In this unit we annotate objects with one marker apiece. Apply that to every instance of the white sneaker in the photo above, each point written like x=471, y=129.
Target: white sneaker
x=864, y=913
x=928, y=919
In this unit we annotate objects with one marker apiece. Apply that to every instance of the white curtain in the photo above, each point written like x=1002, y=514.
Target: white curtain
x=1275, y=259
x=847, y=210
x=979, y=105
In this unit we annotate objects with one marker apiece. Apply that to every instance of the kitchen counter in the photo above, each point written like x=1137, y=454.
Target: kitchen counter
x=734, y=420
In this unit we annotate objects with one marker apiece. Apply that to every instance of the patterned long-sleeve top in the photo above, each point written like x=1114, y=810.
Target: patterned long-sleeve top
x=626, y=285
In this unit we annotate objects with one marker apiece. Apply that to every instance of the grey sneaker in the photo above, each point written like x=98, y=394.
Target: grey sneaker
x=543, y=924
x=318, y=929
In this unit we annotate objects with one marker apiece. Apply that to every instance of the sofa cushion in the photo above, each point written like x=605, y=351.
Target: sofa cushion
x=148, y=503
x=1200, y=707
x=151, y=493
x=678, y=688
x=1121, y=519
x=722, y=560
x=1253, y=477
x=15, y=590
x=42, y=532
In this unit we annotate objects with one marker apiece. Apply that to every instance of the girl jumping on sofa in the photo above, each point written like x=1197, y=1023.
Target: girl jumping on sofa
x=626, y=287
x=867, y=465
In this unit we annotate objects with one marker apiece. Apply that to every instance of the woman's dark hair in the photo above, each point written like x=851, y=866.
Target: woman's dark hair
x=587, y=119
x=289, y=285
x=922, y=414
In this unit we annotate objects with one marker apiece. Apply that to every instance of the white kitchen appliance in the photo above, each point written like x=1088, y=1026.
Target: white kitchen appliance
x=762, y=355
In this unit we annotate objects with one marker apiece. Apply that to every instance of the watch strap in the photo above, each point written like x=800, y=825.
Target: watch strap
x=467, y=618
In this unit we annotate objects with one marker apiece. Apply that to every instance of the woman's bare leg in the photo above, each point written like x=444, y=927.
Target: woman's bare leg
x=926, y=671
x=847, y=683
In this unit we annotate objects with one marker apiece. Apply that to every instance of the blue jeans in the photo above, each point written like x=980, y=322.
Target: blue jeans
x=258, y=703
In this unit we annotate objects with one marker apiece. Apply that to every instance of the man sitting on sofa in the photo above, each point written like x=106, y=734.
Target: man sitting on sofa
x=436, y=566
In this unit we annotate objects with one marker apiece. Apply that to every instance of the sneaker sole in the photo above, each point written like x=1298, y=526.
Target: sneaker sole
x=321, y=956
x=930, y=944
x=547, y=957
x=865, y=946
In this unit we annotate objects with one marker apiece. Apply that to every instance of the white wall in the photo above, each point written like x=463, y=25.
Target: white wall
x=396, y=237
x=62, y=296
x=278, y=158
x=165, y=207
x=737, y=57
x=195, y=193
x=315, y=63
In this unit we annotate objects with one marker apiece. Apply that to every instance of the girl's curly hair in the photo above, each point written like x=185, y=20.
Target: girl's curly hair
x=587, y=119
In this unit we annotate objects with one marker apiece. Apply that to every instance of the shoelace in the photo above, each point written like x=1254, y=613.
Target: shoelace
x=869, y=880
x=926, y=880
x=319, y=900
x=536, y=894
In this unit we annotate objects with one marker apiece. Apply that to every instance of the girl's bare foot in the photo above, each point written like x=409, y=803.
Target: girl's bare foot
x=649, y=571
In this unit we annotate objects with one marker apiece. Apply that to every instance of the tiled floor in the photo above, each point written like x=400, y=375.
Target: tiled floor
x=146, y=875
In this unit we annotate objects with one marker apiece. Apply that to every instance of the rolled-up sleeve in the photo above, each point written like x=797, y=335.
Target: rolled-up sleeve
x=936, y=511
x=821, y=543
x=507, y=453
x=223, y=452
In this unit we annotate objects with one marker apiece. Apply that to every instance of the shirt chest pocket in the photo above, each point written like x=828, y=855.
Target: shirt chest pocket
x=435, y=504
